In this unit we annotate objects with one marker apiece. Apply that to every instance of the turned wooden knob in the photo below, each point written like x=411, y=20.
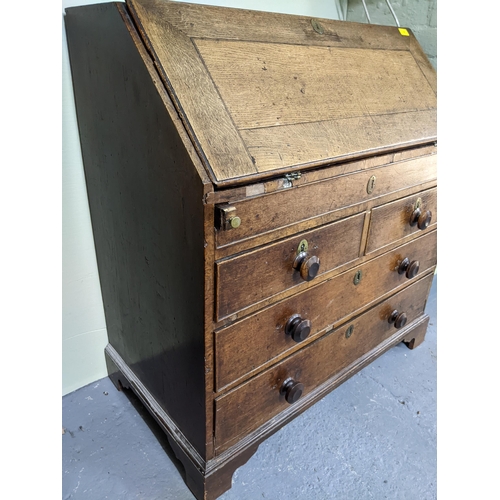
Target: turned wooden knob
x=399, y=319
x=292, y=390
x=307, y=265
x=298, y=328
x=409, y=268
x=420, y=219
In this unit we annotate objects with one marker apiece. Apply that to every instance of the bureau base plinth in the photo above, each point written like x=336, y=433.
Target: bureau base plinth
x=207, y=480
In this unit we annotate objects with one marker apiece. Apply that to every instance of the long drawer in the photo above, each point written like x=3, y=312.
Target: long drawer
x=245, y=408
x=265, y=213
x=245, y=346
x=252, y=277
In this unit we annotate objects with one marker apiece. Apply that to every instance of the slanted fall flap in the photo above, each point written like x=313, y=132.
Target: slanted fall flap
x=263, y=94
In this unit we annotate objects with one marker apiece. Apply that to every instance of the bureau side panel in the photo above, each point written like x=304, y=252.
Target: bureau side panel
x=146, y=205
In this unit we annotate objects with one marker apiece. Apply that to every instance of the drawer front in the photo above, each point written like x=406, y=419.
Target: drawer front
x=252, y=277
x=244, y=409
x=282, y=208
x=391, y=222
x=248, y=344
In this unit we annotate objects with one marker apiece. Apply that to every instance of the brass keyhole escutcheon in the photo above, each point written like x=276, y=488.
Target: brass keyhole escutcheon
x=303, y=246
x=349, y=331
x=371, y=184
x=357, y=277
x=418, y=203
x=317, y=27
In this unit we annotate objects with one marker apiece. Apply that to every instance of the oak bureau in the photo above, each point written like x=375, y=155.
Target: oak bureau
x=262, y=190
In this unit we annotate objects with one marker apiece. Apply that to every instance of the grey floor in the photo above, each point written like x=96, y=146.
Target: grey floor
x=374, y=437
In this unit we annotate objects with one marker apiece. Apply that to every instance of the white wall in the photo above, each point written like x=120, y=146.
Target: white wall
x=83, y=324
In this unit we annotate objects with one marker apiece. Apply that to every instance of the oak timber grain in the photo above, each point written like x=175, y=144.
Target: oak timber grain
x=242, y=410
x=221, y=23
x=270, y=186
x=149, y=245
x=292, y=411
x=246, y=346
x=389, y=223
x=270, y=212
x=249, y=278
x=422, y=61
x=189, y=84
x=306, y=145
x=288, y=88
x=320, y=220
x=312, y=104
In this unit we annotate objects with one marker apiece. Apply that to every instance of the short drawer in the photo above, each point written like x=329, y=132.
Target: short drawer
x=243, y=347
x=252, y=277
x=408, y=216
x=247, y=407
x=269, y=212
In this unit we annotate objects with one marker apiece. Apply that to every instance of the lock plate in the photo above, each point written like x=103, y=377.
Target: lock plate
x=317, y=26
x=349, y=331
x=357, y=277
x=303, y=247
x=371, y=184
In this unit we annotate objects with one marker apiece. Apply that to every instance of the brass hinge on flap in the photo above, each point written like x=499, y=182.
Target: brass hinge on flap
x=289, y=178
x=226, y=218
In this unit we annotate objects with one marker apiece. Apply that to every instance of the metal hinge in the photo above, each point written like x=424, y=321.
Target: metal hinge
x=289, y=178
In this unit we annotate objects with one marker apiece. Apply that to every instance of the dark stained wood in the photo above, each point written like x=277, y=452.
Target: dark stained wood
x=270, y=212
x=409, y=268
x=274, y=110
x=392, y=222
x=144, y=195
x=248, y=345
x=262, y=398
x=250, y=278
x=414, y=338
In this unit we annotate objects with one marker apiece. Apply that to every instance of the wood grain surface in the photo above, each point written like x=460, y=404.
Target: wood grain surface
x=390, y=222
x=270, y=212
x=287, y=96
x=252, y=277
x=244, y=347
x=242, y=410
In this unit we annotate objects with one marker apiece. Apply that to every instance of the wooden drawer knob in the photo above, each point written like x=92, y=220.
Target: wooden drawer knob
x=399, y=319
x=409, y=268
x=307, y=265
x=420, y=219
x=298, y=328
x=292, y=390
